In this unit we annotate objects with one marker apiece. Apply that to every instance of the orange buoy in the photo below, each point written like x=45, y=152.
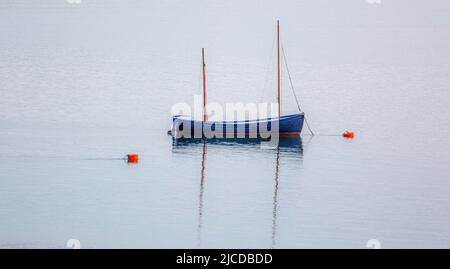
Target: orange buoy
x=133, y=158
x=349, y=134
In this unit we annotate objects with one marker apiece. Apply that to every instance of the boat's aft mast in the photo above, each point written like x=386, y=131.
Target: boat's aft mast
x=279, y=71
x=205, y=115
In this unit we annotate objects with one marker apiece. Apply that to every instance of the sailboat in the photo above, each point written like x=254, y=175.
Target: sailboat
x=281, y=125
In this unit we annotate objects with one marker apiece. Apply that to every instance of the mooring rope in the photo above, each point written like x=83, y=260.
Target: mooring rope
x=290, y=79
x=292, y=88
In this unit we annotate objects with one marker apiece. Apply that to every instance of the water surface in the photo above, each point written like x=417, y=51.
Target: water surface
x=83, y=85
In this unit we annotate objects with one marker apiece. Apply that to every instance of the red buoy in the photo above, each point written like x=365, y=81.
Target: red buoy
x=349, y=134
x=133, y=158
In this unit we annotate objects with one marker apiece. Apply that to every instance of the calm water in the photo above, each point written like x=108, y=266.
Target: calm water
x=81, y=85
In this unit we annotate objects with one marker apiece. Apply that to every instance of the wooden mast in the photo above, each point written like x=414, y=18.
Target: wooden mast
x=205, y=116
x=279, y=71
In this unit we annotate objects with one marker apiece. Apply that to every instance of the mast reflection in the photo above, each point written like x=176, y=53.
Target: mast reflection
x=275, y=198
x=200, y=199
x=285, y=146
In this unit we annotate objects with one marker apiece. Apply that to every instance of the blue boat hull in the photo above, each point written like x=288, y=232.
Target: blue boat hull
x=289, y=125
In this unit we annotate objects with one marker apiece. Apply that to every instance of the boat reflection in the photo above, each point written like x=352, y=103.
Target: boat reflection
x=284, y=143
x=286, y=146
